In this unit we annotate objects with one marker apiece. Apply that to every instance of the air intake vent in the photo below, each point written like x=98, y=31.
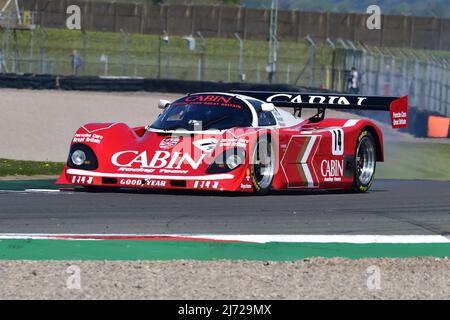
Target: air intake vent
x=109, y=180
x=178, y=183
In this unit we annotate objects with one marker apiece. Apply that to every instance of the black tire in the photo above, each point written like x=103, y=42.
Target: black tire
x=262, y=161
x=365, y=161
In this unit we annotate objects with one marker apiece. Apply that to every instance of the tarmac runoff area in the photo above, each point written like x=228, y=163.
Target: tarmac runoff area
x=38, y=125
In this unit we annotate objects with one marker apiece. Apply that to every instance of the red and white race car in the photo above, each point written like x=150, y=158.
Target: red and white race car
x=237, y=141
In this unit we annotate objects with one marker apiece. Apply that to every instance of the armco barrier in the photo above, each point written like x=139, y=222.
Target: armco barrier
x=28, y=81
x=418, y=122
x=100, y=84
x=110, y=84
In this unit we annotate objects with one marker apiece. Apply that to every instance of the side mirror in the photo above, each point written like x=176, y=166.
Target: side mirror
x=162, y=104
x=267, y=107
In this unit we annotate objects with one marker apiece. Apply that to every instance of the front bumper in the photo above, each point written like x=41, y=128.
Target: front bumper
x=214, y=182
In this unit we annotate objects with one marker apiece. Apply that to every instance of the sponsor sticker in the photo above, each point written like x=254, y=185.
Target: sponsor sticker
x=332, y=170
x=159, y=160
x=82, y=180
x=214, y=100
x=169, y=143
x=206, y=184
x=316, y=99
x=234, y=142
x=142, y=182
x=87, y=138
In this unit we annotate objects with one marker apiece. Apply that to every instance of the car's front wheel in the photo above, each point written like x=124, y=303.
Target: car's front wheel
x=365, y=161
x=263, y=165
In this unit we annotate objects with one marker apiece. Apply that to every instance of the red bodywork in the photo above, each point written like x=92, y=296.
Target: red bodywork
x=137, y=158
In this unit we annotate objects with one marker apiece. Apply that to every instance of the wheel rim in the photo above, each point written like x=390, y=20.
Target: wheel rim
x=263, y=167
x=365, y=160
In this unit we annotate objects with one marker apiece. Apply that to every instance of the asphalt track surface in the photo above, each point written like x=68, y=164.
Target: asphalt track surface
x=395, y=207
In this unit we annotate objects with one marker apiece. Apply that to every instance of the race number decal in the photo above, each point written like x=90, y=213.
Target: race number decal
x=337, y=142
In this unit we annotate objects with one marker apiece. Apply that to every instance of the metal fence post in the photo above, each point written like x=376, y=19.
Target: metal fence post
x=125, y=52
x=392, y=75
x=343, y=73
x=158, y=75
x=8, y=36
x=312, y=57
x=405, y=77
x=427, y=86
x=432, y=85
x=3, y=54
x=3, y=40
x=416, y=80
x=333, y=63
x=356, y=61
x=288, y=74
x=442, y=101
x=42, y=49
x=258, y=75
x=381, y=73
x=166, y=39
x=15, y=53
x=370, y=73
x=241, y=58
x=30, y=63
x=447, y=89
x=272, y=66
x=363, y=69
x=202, y=57
x=85, y=44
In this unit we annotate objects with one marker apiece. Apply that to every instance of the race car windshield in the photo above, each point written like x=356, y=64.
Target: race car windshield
x=203, y=112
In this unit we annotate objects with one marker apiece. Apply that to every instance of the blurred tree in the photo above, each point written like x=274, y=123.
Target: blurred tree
x=439, y=8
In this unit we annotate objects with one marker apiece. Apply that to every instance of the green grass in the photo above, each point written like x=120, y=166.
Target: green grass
x=29, y=168
x=405, y=160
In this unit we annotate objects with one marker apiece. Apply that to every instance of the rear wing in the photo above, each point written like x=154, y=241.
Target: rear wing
x=397, y=106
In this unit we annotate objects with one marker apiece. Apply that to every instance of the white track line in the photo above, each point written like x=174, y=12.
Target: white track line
x=334, y=238
x=355, y=239
x=42, y=190
x=31, y=190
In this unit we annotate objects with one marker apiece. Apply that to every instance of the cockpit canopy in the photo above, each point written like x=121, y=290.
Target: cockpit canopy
x=203, y=112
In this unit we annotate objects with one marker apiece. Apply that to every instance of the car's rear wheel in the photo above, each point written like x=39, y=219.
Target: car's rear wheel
x=365, y=161
x=263, y=165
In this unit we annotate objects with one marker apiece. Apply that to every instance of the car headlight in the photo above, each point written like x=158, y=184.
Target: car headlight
x=82, y=157
x=78, y=157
